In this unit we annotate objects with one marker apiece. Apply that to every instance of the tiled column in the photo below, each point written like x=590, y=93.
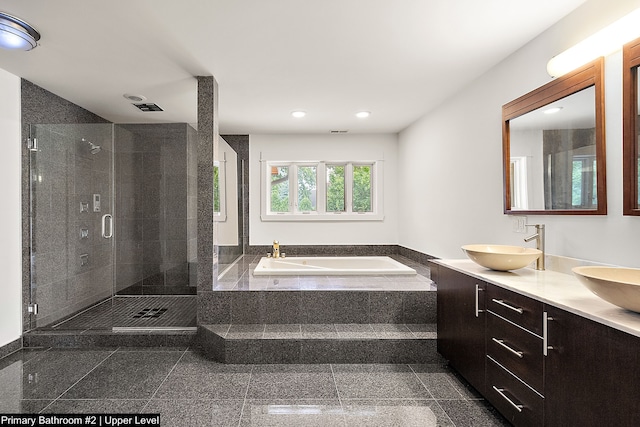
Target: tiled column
x=207, y=134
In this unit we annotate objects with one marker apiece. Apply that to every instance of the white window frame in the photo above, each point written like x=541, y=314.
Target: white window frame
x=520, y=199
x=321, y=214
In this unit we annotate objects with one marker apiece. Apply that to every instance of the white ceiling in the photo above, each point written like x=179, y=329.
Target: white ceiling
x=331, y=58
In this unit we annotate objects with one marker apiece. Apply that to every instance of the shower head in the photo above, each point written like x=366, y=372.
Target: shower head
x=95, y=149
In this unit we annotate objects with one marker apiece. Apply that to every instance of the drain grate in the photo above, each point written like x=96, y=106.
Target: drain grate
x=149, y=313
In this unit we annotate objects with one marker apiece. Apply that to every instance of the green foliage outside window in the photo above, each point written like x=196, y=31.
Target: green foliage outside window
x=307, y=188
x=280, y=189
x=361, y=189
x=335, y=189
x=216, y=189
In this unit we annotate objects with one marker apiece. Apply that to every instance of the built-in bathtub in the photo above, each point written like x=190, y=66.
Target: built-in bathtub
x=331, y=266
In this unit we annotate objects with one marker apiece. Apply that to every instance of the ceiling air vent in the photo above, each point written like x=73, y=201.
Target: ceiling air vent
x=338, y=131
x=148, y=107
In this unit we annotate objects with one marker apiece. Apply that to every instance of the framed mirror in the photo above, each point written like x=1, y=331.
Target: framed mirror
x=553, y=147
x=630, y=141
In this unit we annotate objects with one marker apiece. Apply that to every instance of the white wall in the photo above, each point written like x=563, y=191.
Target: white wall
x=228, y=229
x=10, y=214
x=325, y=147
x=451, y=176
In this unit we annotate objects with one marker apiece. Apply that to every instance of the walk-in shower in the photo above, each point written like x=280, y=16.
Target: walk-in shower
x=138, y=276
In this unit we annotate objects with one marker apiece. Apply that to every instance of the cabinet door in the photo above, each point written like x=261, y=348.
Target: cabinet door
x=461, y=324
x=592, y=373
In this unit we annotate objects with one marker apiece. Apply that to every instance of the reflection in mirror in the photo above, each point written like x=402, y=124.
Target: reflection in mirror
x=553, y=145
x=631, y=141
x=553, y=155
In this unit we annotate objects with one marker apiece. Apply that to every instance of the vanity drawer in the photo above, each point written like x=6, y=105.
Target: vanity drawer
x=516, y=402
x=520, y=309
x=516, y=349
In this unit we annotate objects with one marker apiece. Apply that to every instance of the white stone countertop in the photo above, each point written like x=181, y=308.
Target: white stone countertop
x=557, y=289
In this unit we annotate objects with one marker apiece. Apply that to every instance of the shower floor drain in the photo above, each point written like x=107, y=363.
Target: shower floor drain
x=149, y=313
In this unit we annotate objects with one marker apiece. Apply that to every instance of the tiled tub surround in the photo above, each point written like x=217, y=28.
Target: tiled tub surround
x=557, y=289
x=188, y=389
x=319, y=319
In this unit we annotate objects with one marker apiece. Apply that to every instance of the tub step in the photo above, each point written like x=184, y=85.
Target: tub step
x=320, y=343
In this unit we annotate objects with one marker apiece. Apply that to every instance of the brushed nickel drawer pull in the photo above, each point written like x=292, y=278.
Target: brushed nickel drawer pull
x=545, y=333
x=478, y=311
x=503, y=345
x=510, y=307
x=500, y=391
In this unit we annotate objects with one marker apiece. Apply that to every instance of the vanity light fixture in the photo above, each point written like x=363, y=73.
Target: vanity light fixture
x=363, y=114
x=16, y=34
x=298, y=114
x=602, y=43
x=552, y=110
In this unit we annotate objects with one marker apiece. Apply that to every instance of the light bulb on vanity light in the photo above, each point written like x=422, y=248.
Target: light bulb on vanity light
x=602, y=43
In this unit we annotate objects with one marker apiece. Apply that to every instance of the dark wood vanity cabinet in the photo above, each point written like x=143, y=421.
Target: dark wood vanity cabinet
x=514, y=356
x=461, y=323
x=496, y=338
x=592, y=373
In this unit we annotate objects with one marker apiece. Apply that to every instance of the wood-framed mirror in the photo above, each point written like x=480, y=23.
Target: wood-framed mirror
x=553, y=147
x=630, y=140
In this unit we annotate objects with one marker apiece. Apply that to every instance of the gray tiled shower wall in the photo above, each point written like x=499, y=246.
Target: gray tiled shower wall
x=157, y=218
x=40, y=106
x=70, y=271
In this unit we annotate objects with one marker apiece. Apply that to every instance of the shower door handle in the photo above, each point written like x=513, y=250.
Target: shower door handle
x=107, y=230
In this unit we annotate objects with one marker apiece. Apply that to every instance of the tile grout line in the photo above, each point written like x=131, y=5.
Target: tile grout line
x=335, y=383
x=164, y=380
x=431, y=394
x=246, y=393
x=80, y=379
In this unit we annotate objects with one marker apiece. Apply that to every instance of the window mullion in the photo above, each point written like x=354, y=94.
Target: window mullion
x=321, y=188
x=348, y=187
x=293, y=188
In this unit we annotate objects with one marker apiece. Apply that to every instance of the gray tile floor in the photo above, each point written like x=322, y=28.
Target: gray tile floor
x=189, y=390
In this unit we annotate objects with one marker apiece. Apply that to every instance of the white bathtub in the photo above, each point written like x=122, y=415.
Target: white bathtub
x=330, y=266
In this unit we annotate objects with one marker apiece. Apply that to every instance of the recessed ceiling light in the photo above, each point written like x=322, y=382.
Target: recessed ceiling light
x=552, y=110
x=363, y=114
x=298, y=114
x=17, y=34
x=135, y=98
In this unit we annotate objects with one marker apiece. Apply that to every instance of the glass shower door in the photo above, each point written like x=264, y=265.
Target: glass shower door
x=71, y=227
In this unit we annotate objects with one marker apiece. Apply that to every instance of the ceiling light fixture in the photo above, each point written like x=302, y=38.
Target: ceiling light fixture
x=135, y=98
x=16, y=34
x=298, y=114
x=552, y=110
x=363, y=114
x=602, y=43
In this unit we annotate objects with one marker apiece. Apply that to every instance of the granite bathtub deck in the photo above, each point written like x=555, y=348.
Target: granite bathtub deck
x=319, y=319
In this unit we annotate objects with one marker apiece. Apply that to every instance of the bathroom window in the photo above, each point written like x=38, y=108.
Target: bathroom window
x=279, y=201
x=219, y=199
x=362, y=197
x=321, y=191
x=335, y=188
x=307, y=177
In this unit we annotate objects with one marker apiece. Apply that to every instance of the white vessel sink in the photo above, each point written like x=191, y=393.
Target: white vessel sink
x=617, y=285
x=501, y=257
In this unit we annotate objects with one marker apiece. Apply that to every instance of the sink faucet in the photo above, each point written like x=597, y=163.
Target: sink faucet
x=276, y=249
x=539, y=237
